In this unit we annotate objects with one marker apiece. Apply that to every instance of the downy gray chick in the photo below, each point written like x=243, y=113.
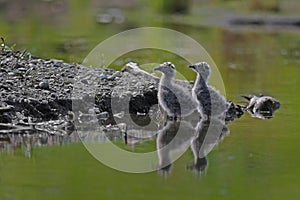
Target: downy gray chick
x=173, y=98
x=210, y=102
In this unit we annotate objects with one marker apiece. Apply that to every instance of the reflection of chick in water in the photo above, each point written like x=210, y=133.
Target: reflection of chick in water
x=174, y=137
x=208, y=135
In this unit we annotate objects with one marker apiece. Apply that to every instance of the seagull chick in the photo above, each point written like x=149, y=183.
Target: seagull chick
x=210, y=102
x=174, y=99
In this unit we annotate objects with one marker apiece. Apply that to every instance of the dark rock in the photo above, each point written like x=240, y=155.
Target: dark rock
x=269, y=21
x=44, y=85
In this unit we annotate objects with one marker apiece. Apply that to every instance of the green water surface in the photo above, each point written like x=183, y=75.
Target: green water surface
x=259, y=159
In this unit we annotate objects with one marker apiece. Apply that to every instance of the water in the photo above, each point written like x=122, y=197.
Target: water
x=257, y=160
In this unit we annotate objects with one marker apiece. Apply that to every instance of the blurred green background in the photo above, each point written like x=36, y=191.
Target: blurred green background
x=258, y=160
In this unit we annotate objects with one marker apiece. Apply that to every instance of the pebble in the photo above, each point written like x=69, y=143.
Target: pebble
x=31, y=65
x=151, y=87
x=84, y=81
x=103, y=77
x=44, y=85
x=53, y=95
x=2, y=70
x=111, y=78
x=10, y=82
x=22, y=69
x=44, y=101
x=67, y=90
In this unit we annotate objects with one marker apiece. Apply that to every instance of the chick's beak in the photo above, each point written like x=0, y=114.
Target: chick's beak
x=157, y=68
x=192, y=66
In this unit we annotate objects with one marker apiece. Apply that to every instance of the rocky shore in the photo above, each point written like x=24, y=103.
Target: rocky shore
x=48, y=101
x=50, y=96
x=37, y=90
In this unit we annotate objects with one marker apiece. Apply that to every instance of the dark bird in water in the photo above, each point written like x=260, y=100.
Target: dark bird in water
x=174, y=99
x=210, y=102
x=233, y=112
x=262, y=106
